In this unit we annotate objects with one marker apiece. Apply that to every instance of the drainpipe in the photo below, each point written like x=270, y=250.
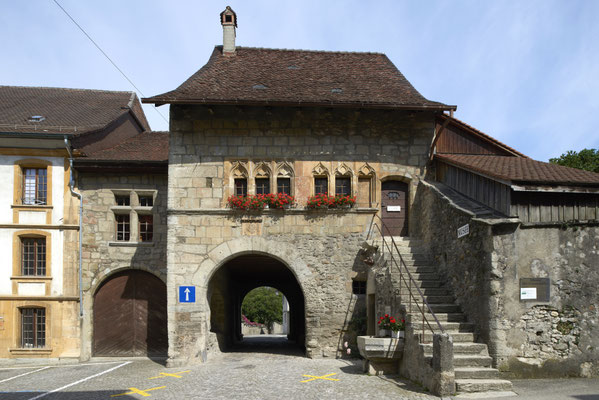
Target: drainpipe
x=73, y=192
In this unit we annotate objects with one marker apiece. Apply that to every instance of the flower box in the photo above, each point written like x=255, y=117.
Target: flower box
x=324, y=201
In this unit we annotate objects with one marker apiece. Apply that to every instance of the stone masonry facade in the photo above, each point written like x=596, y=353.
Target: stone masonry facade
x=483, y=269
x=103, y=255
x=209, y=145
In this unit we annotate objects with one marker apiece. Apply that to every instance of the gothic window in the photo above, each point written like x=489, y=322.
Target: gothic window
x=241, y=187
x=342, y=186
x=262, y=185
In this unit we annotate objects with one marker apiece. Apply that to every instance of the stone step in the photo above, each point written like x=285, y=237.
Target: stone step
x=436, y=308
x=471, y=360
x=461, y=348
x=475, y=372
x=426, y=291
x=429, y=299
x=421, y=276
x=458, y=337
x=423, y=284
x=448, y=327
x=449, y=317
x=482, y=385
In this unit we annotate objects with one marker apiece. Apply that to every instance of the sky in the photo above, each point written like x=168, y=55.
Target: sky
x=524, y=72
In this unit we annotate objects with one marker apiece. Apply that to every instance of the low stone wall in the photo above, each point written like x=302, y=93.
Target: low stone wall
x=525, y=338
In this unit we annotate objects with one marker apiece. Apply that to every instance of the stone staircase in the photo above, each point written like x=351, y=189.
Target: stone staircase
x=471, y=360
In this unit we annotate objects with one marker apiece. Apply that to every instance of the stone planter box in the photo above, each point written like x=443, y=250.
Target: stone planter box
x=381, y=355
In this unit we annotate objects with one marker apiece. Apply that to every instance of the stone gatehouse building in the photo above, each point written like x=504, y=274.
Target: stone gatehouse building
x=504, y=248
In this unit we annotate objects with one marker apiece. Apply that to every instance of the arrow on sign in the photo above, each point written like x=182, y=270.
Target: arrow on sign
x=186, y=291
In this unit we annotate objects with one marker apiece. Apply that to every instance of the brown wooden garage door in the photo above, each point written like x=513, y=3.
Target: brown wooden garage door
x=394, y=201
x=130, y=316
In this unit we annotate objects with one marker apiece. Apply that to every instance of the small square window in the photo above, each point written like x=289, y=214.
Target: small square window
x=33, y=257
x=241, y=187
x=262, y=186
x=321, y=185
x=33, y=327
x=146, y=228
x=123, y=231
x=284, y=185
x=122, y=200
x=342, y=186
x=359, y=287
x=146, y=201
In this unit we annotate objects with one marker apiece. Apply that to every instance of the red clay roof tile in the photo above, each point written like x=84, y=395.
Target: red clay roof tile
x=64, y=110
x=298, y=77
x=146, y=146
x=521, y=170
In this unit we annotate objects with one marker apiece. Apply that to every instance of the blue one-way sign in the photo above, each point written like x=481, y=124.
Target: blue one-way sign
x=187, y=294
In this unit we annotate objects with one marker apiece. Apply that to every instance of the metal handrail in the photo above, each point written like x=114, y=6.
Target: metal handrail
x=402, y=279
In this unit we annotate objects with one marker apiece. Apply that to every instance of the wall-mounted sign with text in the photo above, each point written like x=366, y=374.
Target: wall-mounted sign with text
x=463, y=230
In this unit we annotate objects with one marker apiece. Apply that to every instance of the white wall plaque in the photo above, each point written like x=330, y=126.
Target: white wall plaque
x=393, y=208
x=528, y=293
x=463, y=230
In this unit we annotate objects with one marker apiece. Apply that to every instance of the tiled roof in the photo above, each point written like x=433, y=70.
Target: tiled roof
x=64, y=110
x=521, y=170
x=298, y=77
x=146, y=146
x=483, y=135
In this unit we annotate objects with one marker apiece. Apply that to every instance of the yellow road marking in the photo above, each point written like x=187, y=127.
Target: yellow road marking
x=166, y=374
x=139, y=391
x=324, y=377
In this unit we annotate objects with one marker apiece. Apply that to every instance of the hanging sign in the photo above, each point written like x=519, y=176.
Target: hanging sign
x=463, y=230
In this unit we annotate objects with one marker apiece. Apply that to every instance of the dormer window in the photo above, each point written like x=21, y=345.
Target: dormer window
x=228, y=18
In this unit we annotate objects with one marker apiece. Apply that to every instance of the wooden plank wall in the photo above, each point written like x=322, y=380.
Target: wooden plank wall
x=489, y=192
x=555, y=207
x=456, y=141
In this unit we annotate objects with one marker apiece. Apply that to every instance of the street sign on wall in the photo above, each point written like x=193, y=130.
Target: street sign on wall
x=187, y=294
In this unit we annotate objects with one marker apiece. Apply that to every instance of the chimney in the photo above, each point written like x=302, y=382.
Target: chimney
x=228, y=19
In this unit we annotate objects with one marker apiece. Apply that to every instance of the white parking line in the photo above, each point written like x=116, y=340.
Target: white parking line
x=80, y=381
x=26, y=373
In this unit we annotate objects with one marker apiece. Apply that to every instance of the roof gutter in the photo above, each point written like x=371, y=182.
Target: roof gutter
x=160, y=102
x=80, y=196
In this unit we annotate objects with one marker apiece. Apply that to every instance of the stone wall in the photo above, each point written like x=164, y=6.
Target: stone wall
x=210, y=146
x=102, y=254
x=526, y=339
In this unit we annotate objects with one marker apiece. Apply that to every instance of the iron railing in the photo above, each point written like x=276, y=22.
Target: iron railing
x=403, y=272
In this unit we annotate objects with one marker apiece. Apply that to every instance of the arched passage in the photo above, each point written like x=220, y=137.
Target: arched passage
x=130, y=317
x=236, y=278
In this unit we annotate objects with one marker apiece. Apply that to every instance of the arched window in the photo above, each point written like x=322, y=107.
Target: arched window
x=343, y=181
x=321, y=179
x=284, y=178
x=262, y=174
x=239, y=177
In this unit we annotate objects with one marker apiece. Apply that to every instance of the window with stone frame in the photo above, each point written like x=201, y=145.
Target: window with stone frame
x=123, y=227
x=241, y=187
x=262, y=185
x=146, y=228
x=33, y=256
x=122, y=199
x=342, y=186
x=146, y=200
x=358, y=287
x=284, y=185
x=33, y=327
x=321, y=185
x=35, y=186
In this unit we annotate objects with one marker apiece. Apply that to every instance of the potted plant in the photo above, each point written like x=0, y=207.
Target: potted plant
x=389, y=326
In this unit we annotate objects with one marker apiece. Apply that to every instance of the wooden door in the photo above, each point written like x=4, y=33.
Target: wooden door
x=130, y=316
x=394, y=201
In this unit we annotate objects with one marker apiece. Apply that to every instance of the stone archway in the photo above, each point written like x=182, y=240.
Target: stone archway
x=238, y=276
